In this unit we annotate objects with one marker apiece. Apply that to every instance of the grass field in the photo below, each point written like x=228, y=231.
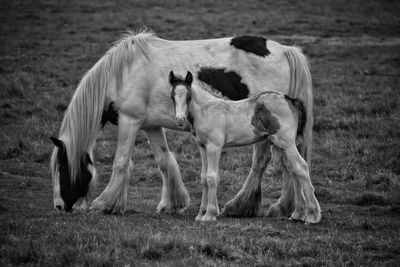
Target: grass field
x=354, y=48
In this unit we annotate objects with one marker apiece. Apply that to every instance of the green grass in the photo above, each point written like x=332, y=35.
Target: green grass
x=46, y=47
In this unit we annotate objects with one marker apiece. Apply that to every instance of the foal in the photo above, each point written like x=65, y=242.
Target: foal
x=219, y=123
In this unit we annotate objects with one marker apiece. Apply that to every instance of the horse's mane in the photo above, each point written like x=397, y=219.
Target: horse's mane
x=81, y=122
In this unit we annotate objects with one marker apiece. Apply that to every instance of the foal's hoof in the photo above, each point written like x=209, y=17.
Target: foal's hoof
x=208, y=218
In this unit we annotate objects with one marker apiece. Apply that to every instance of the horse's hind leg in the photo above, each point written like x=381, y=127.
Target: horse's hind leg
x=247, y=201
x=174, y=196
x=114, y=197
x=284, y=206
x=307, y=208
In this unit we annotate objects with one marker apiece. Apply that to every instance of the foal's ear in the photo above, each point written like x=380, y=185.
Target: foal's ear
x=171, y=77
x=56, y=142
x=189, y=78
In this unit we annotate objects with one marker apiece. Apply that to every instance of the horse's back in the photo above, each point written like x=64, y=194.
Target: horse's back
x=235, y=69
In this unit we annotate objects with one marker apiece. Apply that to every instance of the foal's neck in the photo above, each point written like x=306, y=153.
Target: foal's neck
x=201, y=99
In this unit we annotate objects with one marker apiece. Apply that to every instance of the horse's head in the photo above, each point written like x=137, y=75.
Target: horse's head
x=66, y=190
x=181, y=96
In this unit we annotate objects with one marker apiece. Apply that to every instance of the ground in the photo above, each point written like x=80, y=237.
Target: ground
x=354, y=49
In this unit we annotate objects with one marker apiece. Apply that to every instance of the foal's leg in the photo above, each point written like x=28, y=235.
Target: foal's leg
x=213, y=157
x=174, y=196
x=307, y=208
x=284, y=206
x=247, y=201
x=204, y=196
x=114, y=197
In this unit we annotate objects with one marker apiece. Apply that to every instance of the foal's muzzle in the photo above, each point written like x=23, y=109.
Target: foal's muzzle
x=181, y=122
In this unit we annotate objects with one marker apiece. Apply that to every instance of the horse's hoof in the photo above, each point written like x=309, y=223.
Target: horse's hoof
x=313, y=216
x=276, y=211
x=240, y=208
x=297, y=216
x=97, y=205
x=182, y=210
x=163, y=207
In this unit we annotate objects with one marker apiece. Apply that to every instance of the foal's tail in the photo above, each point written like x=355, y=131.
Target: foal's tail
x=301, y=88
x=298, y=105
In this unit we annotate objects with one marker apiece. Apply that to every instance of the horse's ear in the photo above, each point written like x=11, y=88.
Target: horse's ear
x=189, y=78
x=56, y=142
x=171, y=77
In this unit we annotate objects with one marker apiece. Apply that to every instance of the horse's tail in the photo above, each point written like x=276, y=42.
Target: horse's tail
x=301, y=88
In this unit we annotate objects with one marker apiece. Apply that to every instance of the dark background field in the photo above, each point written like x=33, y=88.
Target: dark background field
x=354, y=48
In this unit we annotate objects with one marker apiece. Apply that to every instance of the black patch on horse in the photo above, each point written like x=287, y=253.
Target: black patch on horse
x=300, y=109
x=264, y=121
x=71, y=192
x=110, y=115
x=228, y=83
x=251, y=44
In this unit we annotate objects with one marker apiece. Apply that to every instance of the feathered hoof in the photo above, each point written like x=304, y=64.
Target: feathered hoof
x=198, y=217
x=311, y=216
x=179, y=207
x=208, y=218
x=276, y=211
x=242, y=207
x=81, y=207
x=99, y=205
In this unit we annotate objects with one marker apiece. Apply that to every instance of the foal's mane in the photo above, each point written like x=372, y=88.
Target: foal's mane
x=81, y=122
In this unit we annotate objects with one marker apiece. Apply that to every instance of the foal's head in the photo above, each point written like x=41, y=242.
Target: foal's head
x=181, y=96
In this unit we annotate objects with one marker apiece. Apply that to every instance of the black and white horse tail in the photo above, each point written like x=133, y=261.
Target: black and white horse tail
x=301, y=88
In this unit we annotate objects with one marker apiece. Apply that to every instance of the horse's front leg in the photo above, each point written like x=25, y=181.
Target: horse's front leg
x=247, y=201
x=213, y=156
x=204, y=195
x=114, y=197
x=174, y=196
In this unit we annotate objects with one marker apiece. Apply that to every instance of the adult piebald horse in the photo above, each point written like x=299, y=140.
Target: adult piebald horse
x=129, y=86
